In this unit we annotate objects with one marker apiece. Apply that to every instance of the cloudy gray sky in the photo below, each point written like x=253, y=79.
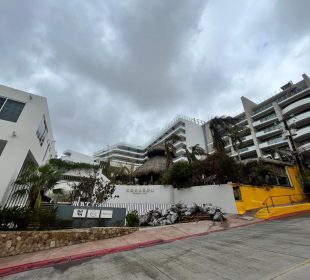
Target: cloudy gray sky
x=119, y=70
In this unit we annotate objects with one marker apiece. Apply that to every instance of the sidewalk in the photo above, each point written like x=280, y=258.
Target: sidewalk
x=142, y=238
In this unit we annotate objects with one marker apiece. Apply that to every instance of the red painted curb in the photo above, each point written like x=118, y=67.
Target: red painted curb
x=66, y=259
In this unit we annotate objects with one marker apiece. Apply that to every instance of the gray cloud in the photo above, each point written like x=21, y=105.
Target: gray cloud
x=119, y=70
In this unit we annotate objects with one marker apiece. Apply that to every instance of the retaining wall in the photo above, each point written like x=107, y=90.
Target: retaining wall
x=19, y=242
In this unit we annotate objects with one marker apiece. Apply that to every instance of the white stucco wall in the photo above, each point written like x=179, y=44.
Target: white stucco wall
x=194, y=134
x=143, y=194
x=219, y=195
x=17, y=147
x=73, y=156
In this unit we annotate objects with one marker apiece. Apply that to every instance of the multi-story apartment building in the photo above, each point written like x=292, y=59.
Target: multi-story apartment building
x=25, y=136
x=274, y=121
x=266, y=127
x=188, y=129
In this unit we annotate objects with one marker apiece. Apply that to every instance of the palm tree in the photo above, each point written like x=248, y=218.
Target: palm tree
x=236, y=139
x=170, y=150
x=219, y=127
x=35, y=181
x=197, y=151
x=226, y=126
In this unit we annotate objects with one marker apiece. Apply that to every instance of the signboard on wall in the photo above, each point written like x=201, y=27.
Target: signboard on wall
x=94, y=214
x=79, y=213
x=106, y=214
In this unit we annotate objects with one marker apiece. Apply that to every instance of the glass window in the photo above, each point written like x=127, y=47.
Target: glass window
x=2, y=145
x=11, y=110
x=2, y=100
x=42, y=131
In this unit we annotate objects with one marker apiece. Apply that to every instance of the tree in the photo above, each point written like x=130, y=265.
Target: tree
x=226, y=126
x=196, y=150
x=179, y=175
x=236, y=139
x=170, y=150
x=92, y=188
x=35, y=181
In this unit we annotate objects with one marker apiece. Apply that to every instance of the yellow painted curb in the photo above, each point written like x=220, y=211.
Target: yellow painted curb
x=282, y=210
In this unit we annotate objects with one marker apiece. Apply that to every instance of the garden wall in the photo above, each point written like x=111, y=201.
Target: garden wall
x=19, y=242
x=219, y=195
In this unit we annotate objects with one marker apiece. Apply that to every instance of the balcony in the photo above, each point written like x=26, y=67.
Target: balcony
x=296, y=107
x=247, y=139
x=269, y=131
x=299, y=119
x=302, y=134
x=247, y=150
x=266, y=109
x=265, y=121
x=279, y=141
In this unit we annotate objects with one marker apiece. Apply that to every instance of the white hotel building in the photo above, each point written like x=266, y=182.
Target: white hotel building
x=25, y=135
x=264, y=120
x=188, y=129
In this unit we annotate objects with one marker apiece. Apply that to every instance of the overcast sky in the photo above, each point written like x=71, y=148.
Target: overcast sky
x=120, y=70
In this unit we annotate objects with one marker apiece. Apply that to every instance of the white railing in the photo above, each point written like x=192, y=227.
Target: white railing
x=142, y=208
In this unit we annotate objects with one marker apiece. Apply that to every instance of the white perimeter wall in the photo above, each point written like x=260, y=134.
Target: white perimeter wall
x=219, y=195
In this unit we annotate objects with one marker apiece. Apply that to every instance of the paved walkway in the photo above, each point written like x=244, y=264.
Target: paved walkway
x=141, y=238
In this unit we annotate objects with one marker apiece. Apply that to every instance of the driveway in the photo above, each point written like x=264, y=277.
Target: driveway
x=272, y=250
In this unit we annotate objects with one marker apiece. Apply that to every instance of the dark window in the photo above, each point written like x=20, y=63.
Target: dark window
x=2, y=145
x=237, y=193
x=11, y=110
x=284, y=181
x=42, y=131
x=2, y=100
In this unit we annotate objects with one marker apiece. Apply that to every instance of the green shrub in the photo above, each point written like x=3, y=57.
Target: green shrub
x=44, y=217
x=63, y=224
x=14, y=218
x=132, y=219
x=179, y=175
x=18, y=218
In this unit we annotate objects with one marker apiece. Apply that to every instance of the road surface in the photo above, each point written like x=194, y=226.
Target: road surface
x=272, y=250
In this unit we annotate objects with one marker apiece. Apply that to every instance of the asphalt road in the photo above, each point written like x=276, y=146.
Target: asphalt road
x=272, y=250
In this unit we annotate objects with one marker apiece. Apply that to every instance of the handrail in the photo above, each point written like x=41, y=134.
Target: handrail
x=283, y=195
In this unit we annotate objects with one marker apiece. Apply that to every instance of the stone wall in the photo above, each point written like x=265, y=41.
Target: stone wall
x=19, y=242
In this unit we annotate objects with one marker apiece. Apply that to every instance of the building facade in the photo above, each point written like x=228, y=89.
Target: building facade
x=280, y=122
x=189, y=131
x=76, y=157
x=25, y=136
x=267, y=126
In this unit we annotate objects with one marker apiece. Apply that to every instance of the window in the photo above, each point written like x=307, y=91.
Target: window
x=2, y=145
x=237, y=193
x=2, y=100
x=42, y=131
x=11, y=110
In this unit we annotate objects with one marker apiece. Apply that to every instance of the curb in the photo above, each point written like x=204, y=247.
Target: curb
x=288, y=215
x=99, y=253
